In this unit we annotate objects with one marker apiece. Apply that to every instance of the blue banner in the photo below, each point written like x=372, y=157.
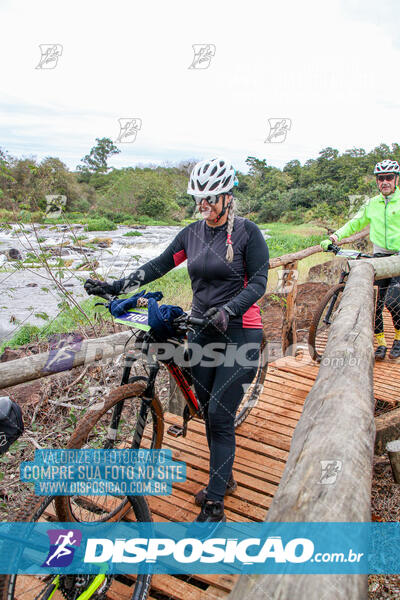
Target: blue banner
x=126, y=547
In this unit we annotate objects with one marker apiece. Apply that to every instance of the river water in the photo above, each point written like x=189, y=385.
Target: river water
x=26, y=292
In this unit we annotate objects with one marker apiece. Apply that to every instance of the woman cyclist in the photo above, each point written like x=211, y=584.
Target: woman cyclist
x=228, y=266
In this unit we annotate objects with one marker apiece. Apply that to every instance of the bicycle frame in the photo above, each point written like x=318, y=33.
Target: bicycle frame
x=344, y=274
x=85, y=595
x=192, y=407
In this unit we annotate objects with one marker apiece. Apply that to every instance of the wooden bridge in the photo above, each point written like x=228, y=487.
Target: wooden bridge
x=268, y=434
x=263, y=443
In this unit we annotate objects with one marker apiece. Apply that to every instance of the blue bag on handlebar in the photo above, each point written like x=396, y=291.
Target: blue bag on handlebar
x=119, y=307
x=160, y=318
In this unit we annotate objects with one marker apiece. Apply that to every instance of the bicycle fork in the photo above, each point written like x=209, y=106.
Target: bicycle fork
x=145, y=405
x=327, y=317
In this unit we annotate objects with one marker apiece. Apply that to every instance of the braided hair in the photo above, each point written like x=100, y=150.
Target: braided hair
x=230, y=220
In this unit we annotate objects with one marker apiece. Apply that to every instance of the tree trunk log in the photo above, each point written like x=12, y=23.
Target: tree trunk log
x=90, y=350
x=288, y=258
x=383, y=267
x=335, y=430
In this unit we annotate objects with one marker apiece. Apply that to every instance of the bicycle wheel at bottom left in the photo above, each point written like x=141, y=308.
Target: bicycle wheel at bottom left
x=70, y=587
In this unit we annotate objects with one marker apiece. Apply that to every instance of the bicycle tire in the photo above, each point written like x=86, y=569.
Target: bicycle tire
x=69, y=508
x=15, y=587
x=252, y=394
x=318, y=332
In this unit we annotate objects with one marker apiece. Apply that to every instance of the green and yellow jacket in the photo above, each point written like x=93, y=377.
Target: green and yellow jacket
x=383, y=218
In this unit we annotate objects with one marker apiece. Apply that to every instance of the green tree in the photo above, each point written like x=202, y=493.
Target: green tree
x=96, y=160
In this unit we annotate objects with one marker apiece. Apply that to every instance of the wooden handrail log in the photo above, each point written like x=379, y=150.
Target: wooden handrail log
x=384, y=267
x=89, y=350
x=288, y=258
x=337, y=426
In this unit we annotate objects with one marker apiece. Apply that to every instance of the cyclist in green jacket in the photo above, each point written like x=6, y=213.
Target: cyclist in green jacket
x=382, y=213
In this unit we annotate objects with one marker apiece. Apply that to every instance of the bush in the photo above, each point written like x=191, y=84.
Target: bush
x=25, y=335
x=6, y=216
x=101, y=224
x=132, y=233
x=31, y=217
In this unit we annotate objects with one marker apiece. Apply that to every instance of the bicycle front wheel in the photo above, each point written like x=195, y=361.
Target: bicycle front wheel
x=322, y=321
x=39, y=587
x=254, y=390
x=95, y=431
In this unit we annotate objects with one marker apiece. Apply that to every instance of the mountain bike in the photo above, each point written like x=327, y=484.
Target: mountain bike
x=132, y=415
x=72, y=587
x=327, y=308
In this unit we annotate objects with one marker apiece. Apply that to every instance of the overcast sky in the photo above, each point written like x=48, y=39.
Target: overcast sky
x=330, y=67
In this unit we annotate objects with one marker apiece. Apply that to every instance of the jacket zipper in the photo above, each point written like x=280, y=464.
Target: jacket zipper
x=385, y=227
x=206, y=260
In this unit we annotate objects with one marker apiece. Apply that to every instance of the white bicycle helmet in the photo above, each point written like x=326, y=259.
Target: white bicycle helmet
x=211, y=177
x=387, y=166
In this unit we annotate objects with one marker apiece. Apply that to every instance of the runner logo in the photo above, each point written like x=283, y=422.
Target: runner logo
x=50, y=54
x=203, y=54
x=55, y=205
x=62, y=542
x=278, y=129
x=62, y=350
x=329, y=471
x=128, y=129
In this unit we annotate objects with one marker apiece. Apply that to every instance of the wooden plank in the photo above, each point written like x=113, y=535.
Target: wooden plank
x=272, y=416
x=121, y=591
x=223, y=581
x=264, y=449
x=295, y=384
x=271, y=398
x=244, y=475
x=263, y=467
x=177, y=589
x=262, y=435
x=269, y=424
x=286, y=393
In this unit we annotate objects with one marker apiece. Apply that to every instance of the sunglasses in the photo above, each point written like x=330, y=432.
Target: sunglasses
x=388, y=177
x=209, y=199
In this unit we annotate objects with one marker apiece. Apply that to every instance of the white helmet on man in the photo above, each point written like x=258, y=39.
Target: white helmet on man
x=211, y=178
x=387, y=166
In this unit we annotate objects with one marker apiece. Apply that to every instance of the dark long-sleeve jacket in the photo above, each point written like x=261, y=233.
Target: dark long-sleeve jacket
x=235, y=286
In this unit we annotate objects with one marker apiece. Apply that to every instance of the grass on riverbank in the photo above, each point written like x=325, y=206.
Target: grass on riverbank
x=175, y=286
x=286, y=238
x=91, y=219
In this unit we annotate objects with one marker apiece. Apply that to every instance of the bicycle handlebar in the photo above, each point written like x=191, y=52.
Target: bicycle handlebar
x=356, y=255
x=184, y=319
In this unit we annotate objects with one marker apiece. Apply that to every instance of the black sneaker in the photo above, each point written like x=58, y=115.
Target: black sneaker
x=395, y=351
x=380, y=352
x=211, y=512
x=202, y=494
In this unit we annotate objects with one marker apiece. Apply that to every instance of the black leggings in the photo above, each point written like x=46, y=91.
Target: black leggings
x=389, y=296
x=220, y=375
